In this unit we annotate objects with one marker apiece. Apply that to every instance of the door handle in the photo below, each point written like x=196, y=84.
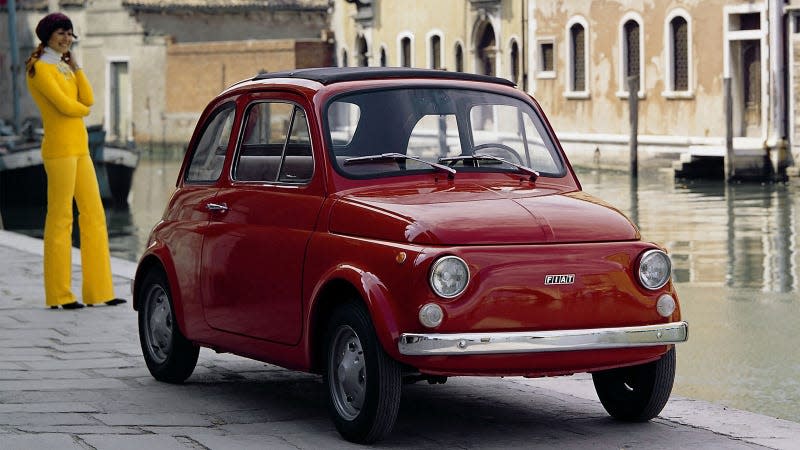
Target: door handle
x=217, y=207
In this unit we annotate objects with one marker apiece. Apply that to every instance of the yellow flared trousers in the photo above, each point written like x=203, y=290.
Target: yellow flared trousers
x=67, y=178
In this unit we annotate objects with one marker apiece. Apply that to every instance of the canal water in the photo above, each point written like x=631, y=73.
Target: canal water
x=736, y=266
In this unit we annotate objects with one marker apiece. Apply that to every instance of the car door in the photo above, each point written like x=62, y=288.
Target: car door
x=254, y=250
x=192, y=204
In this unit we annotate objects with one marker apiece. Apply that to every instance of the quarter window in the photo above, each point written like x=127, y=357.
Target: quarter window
x=275, y=145
x=209, y=155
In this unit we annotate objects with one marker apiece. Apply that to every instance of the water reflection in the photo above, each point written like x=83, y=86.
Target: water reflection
x=740, y=235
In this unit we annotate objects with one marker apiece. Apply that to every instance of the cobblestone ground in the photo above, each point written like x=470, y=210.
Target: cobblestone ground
x=77, y=380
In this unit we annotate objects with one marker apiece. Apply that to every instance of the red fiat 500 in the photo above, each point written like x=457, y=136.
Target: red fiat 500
x=382, y=225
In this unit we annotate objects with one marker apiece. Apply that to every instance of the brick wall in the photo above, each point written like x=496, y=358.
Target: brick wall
x=197, y=72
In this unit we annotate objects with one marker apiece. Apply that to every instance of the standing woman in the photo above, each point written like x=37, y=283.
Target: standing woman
x=63, y=95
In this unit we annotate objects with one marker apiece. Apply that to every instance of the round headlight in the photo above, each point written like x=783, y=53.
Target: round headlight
x=655, y=269
x=449, y=276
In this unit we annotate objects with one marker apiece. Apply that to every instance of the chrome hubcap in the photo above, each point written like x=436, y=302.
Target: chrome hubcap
x=159, y=324
x=348, y=373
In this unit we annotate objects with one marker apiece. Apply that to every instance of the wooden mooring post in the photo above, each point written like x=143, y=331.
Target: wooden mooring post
x=633, y=108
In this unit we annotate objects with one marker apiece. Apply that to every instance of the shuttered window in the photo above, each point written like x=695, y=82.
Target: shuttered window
x=578, y=38
x=680, y=55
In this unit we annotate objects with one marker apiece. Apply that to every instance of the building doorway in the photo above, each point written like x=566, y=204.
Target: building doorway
x=120, y=125
x=745, y=40
x=486, y=50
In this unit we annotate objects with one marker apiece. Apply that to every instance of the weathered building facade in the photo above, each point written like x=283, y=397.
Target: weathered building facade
x=577, y=56
x=154, y=64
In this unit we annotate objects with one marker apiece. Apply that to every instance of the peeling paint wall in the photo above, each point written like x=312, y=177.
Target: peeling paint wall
x=699, y=114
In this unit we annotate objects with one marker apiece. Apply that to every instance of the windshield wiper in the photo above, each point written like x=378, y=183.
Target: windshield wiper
x=520, y=168
x=451, y=173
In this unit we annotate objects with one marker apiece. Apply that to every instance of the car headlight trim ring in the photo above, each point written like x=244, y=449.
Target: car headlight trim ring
x=449, y=276
x=655, y=269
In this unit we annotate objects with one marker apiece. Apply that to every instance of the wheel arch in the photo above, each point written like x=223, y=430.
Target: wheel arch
x=349, y=285
x=152, y=261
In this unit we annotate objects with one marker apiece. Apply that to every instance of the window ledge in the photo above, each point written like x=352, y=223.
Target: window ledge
x=678, y=95
x=577, y=95
x=624, y=95
x=548, y=74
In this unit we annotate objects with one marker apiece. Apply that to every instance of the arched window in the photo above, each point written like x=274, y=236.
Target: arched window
x=383, y=57
x=577, y=58
x=631, y=61
x=459, y=55
x=514, y=61
x=435, y=51
x=344, y=61
x=631, y=48
x=362, y=57
x=679, y=54
x=406, y=55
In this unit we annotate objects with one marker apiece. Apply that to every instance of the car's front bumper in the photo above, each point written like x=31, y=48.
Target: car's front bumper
x=436, y=344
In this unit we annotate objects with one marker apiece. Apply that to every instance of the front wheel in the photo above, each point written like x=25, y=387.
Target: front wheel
x=363, y=382
x=637, y=393
x=170, y=357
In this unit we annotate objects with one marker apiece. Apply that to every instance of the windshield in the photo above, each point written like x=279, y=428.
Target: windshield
x=444, y=126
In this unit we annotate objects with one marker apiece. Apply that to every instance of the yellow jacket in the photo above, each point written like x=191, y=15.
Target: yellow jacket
x=64, y=98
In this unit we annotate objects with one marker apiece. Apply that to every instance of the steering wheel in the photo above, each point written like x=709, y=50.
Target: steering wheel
x=498, y=150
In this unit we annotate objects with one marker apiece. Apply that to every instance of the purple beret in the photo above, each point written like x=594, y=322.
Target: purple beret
x=50, y=23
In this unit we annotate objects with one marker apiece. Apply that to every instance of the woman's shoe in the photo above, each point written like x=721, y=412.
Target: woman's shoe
x=73, y=305
x=114, y=302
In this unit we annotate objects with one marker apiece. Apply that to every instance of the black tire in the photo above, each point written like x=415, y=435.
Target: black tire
x=170, y=357
x=637, y=393
x=363, y=383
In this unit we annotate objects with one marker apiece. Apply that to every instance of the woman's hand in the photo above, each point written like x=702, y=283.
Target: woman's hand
x=71, y=61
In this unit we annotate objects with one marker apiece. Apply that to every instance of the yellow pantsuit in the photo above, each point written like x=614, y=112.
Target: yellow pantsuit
x=63, y=96
x=71, y=177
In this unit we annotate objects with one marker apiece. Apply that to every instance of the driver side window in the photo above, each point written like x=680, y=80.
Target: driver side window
x=209, y=155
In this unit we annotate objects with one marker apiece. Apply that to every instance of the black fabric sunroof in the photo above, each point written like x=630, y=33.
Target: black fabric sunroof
x=330, y=75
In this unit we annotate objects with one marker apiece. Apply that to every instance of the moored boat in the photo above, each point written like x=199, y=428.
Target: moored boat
x=23, y=181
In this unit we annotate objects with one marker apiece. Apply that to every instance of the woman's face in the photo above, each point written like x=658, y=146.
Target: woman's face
x=61, y=40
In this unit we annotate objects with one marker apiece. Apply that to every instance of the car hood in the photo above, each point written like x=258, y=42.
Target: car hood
x=474, y=214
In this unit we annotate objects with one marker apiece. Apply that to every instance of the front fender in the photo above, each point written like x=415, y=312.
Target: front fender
x=339, y=285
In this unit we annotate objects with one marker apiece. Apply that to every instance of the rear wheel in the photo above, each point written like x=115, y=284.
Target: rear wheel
x=170, y=357
x=637, y=393
x=363, y=382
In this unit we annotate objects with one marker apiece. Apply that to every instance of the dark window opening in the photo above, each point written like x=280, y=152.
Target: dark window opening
x=578, y=37
x=632, y=51
x=680, y=57
x=405, y=48
x=514, y=62
x=748, y=21
x=436, y=52
x=459, y=58
x=546, y=57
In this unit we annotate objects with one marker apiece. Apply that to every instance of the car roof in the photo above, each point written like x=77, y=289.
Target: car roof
x=331, y=75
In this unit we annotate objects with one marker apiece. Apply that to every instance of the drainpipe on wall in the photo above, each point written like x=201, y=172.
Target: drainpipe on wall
x=524, y=45
x=776, y=134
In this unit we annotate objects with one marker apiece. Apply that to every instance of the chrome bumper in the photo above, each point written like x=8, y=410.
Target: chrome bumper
x=542, y=341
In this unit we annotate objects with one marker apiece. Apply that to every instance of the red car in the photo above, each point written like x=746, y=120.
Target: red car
x=387, y=225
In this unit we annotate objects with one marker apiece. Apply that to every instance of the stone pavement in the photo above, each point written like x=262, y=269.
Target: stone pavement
x=77, y=380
